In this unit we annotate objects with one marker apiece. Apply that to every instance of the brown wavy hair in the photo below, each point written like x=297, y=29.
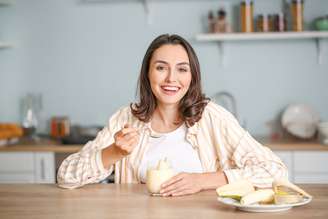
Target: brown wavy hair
x=191, y=106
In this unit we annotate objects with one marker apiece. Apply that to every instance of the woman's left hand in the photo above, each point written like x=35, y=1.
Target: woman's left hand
x=182, y=184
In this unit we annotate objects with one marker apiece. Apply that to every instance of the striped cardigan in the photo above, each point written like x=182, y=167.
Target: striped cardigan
x=222, y=144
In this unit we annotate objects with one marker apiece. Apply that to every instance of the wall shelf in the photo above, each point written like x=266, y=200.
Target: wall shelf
x=262, y=36
x=222, y=37
x=4, y=45
x=5, y=2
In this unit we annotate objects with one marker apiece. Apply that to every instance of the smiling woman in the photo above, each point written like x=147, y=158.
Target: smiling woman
x=170, y=73
x=173, y=119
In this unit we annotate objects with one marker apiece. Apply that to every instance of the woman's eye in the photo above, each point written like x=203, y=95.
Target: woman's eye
x=160, y=68
x=183, y=69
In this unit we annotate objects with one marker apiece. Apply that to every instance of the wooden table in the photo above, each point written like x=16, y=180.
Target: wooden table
x=132, y=201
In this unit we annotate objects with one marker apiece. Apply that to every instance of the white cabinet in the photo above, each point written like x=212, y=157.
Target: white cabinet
x=44, y=164
x=311, y=166
x=306, y=166
x=287, y=159
x=27, y=167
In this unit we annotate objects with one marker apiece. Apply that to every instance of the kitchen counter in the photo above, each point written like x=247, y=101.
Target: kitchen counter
x=41, y=145
x=276, y=145
x=42, y=148
x=291, y=144
x=132, y=201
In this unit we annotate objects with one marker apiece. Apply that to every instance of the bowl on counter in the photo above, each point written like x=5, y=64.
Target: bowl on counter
x=300, y=120
x=321, y=23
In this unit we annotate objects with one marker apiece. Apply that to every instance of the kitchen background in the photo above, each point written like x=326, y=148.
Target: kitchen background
x=83, y=58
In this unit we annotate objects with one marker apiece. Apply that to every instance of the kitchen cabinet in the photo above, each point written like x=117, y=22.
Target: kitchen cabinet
x=27, y=167
x=306, y=166
x=306, y=162
x=33, y=163
x=287, y=159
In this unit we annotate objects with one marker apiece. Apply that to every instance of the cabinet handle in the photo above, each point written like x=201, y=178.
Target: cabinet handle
x=43, y=174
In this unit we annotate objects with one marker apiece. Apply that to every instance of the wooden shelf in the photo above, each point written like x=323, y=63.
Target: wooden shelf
x=209, y=37
x=4, y=45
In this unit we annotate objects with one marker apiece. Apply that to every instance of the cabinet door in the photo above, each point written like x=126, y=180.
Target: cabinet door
x=16, y=167
x=16, y=177
x=44, y=163
x=311, y=166
x=287, y=159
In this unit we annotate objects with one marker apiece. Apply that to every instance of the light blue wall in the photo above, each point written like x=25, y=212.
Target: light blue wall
x=85, y=58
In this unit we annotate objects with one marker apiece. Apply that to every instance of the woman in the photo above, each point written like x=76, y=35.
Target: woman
x=204, y=143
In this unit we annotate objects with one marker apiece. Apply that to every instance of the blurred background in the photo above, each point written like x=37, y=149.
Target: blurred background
x=75, y=62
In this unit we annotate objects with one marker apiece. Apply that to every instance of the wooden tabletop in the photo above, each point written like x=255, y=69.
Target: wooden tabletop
x=132, y=201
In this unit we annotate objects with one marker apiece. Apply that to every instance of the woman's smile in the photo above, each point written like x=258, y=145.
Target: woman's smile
x=170, y=90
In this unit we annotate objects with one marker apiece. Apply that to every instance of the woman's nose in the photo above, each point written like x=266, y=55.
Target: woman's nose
x=171, y=76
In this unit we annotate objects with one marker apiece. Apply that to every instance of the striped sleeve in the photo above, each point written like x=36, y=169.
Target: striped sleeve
x=250, y=160
x=85, y=166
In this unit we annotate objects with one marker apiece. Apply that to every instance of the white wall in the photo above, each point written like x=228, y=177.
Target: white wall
x=85, y=58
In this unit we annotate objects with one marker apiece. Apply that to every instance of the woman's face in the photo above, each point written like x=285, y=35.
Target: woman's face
x=169, y=74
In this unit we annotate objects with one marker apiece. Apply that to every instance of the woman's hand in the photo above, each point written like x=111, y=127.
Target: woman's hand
x=182, y=184
x=190, y=183
x=126, y=139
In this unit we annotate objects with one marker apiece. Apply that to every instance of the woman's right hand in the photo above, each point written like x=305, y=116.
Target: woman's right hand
x=126, y=139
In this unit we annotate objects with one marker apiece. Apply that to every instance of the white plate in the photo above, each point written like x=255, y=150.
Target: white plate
x=262, y=207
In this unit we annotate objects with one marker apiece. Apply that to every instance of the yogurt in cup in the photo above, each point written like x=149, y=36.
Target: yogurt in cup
x=157, y=176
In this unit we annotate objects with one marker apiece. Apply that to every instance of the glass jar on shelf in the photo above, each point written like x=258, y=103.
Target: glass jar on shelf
x=246, y=16
x=297, y=10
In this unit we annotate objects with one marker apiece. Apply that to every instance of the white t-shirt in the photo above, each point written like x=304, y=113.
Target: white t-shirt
x=173, y=146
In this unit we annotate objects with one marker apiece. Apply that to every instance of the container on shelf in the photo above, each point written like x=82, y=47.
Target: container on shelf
x=211, y=22
x=262, y=24
x=221, y=24
x=297, y=9
x=60, y=126
x=279, y=22
x=246, y=16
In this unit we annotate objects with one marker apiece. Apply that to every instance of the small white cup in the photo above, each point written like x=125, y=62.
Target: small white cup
x=323, y=132
x=155, y=178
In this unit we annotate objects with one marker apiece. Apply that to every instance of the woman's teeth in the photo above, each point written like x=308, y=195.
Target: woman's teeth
x=170, y=90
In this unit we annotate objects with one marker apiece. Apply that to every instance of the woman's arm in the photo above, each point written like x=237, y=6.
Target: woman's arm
x=255, y=163
x=241, y=155
x=189, y=183
x=86, y=166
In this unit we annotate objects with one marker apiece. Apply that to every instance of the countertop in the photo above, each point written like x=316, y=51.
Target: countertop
x=132, y=201
x=276, y=145
x=40, y=145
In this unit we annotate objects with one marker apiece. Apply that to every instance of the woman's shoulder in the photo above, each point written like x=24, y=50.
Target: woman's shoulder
x=123, y=115
x=217, y=112
x=218, y=116
x=214, y=110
